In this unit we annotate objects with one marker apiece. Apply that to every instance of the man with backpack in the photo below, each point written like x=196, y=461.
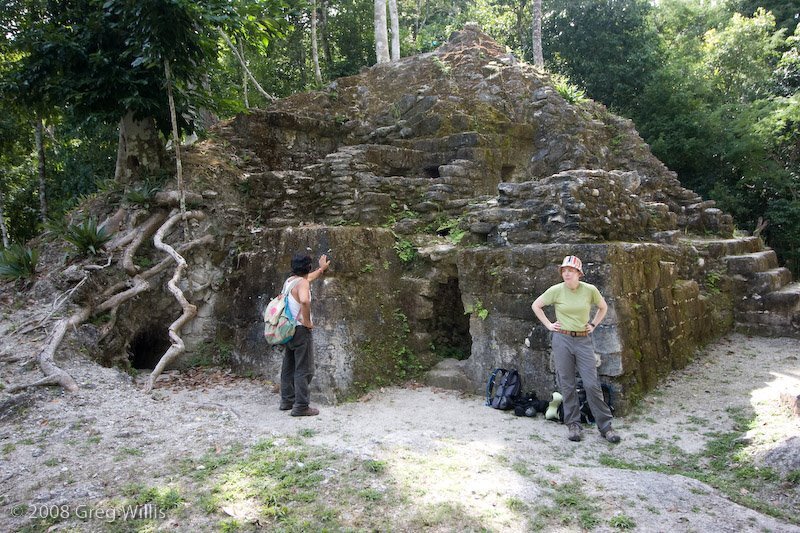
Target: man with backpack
x=298, y=359
x=573, y=348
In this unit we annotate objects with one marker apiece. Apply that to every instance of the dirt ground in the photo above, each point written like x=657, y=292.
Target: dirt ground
x=469, y=466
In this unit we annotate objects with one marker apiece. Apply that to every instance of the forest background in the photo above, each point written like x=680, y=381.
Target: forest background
x=712, y=86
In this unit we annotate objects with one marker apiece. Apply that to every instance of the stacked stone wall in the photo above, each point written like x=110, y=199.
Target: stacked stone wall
x=655, y=321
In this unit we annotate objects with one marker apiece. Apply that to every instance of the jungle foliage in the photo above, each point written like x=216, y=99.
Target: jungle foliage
x=713, y=87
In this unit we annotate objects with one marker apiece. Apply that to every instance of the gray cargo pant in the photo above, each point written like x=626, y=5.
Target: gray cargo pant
x=577, y=353
x=297, y=369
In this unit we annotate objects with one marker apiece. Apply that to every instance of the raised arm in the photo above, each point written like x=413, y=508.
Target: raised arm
x=323, y=266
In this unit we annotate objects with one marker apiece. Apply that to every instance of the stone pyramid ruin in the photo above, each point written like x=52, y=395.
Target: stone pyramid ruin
x=447, y=187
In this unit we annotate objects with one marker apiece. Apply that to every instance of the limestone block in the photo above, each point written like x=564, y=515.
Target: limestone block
x=606, y=340
x=685, y=290
x=667, y=273
x=449, y=374
x=610, y=365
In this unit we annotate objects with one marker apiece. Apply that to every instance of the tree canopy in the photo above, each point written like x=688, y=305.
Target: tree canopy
x=711, y=86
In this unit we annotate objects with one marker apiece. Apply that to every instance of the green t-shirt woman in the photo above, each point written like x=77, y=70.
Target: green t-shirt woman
x=572, y=346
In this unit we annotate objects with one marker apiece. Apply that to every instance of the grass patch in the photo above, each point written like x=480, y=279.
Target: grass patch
x=283, y=484
x=126, y=451
x=377, y=467
x=521, y=469
x=161, y=497
x=571, y=507
x=724, y=464
x=516, y=505
x=622, y=522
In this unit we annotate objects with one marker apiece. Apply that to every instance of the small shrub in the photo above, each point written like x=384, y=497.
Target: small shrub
x=86, y=237
x=450, y=228
x=18, y=262
x=443, y=67
x=712, y=282
x=405, y=250
x=142, y=194
x=569, y=92
x=478, y=309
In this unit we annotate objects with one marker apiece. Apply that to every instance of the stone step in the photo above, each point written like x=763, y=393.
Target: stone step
x=718, y=248
x=769, y=280
x=776, y=313
x=449, y=374
x=749, y=303
x=768, y=325
x=748, y=264
x=785, y=301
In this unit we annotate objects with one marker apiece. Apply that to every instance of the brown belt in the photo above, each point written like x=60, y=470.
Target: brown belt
x=573, y=333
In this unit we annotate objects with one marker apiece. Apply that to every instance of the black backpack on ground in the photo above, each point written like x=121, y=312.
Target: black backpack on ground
x=503, y=389
x=586, y=412
x=529, y=405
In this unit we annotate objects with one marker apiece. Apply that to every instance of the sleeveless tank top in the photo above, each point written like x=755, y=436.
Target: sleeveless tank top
x=294, y=305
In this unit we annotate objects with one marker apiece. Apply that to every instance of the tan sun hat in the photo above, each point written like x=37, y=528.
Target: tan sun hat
x=572, y=261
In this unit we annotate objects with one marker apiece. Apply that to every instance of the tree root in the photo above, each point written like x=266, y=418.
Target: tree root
x=145, y=232
x=173, y=198
x=53, y=374
x=112, y=223
x=189, y=310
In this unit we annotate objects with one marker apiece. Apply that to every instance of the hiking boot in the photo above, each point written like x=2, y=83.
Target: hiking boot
x=575, y=432
x=308, y=411
x=285, y=406
x=611, y=436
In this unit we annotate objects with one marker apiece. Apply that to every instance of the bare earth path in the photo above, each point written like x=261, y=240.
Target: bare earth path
x=402, y=459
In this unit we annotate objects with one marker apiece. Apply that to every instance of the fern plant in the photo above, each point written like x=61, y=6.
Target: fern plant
x=142, y=194
x=86, y=237
x=18, y=262
x=568, y=91
x=405, y=249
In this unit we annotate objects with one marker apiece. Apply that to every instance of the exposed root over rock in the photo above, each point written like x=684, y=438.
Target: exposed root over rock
x=189, y=310
x=118, y=294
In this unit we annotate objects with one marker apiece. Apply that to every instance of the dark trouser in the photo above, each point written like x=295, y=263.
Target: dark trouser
x=297, y=369
x=577, y=353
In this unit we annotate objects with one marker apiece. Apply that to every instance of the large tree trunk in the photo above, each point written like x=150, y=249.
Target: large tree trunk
x=3, y=227
x=381, y=35
x=140, y=150
x=314, y=48
x=39, y=136
x=538, y=58
x=395, y=24
x=323, y=30
x=520, y=29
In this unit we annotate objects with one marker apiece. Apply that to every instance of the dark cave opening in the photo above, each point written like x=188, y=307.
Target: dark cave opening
x=450, y=325
x=148, y=345
x=431, y=172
